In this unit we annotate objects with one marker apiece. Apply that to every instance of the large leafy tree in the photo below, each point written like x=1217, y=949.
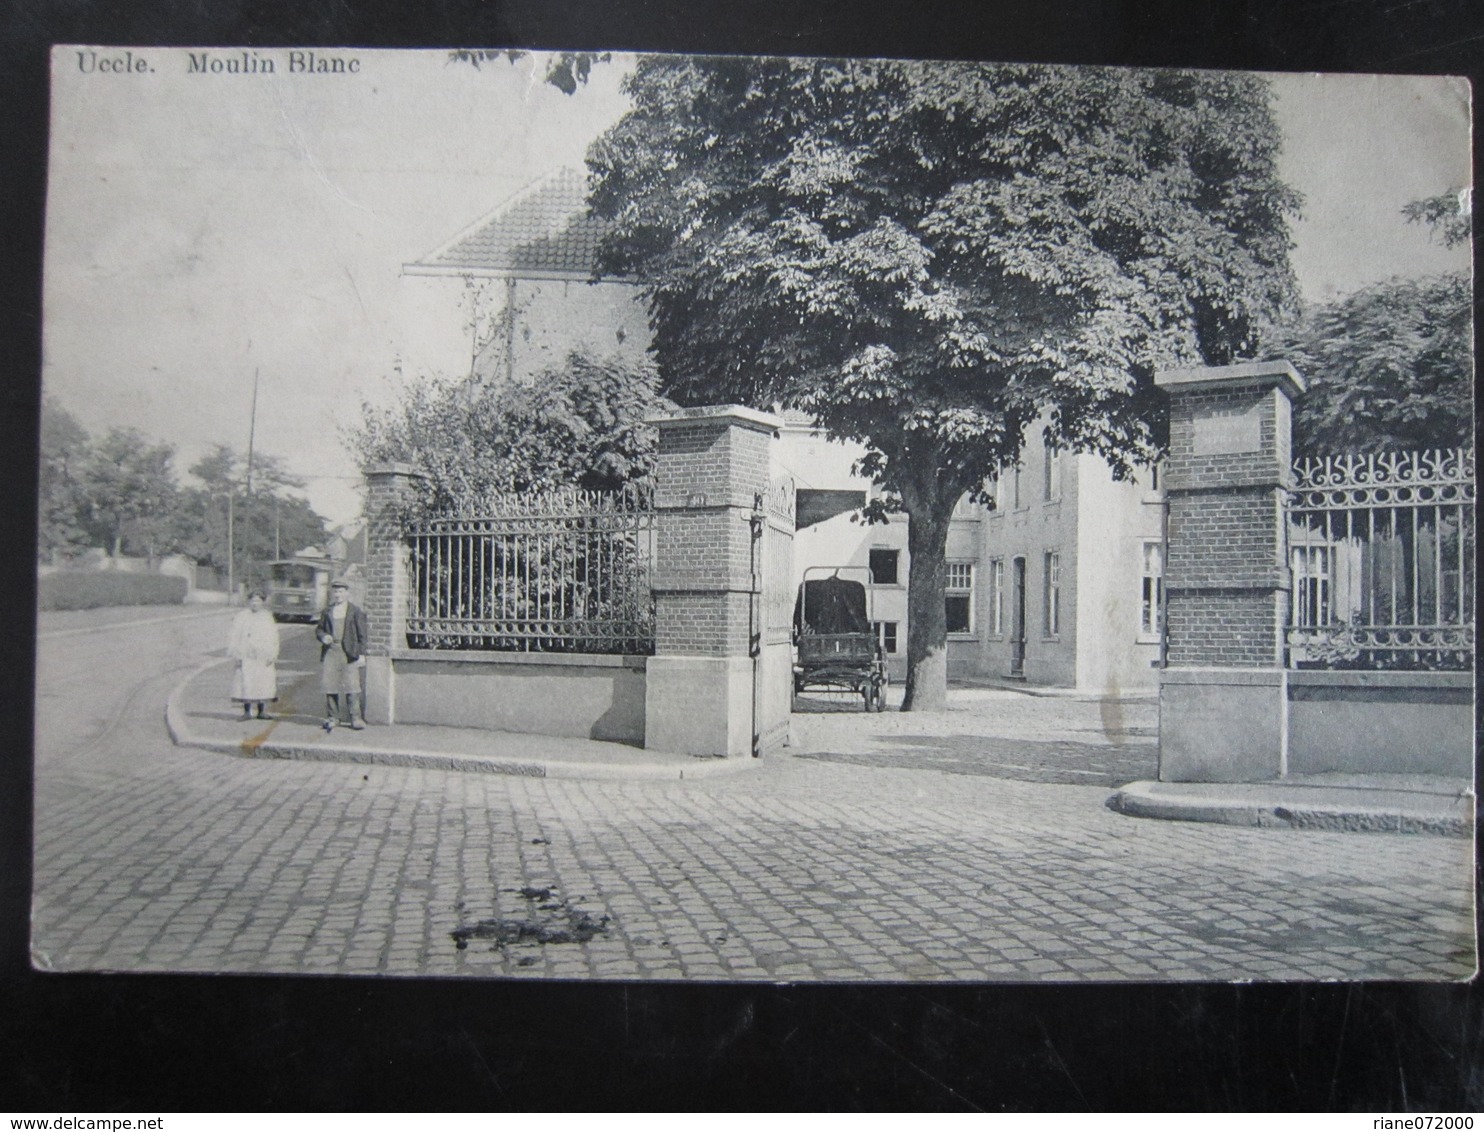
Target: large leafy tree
x=127, y=487
x=64, y=453
x=1390, y=366
x=580, y=423
x=929, y=256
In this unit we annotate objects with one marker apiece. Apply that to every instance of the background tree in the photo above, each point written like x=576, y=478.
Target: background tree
x=62, y=508
x=1390, y=366
x=565, y=70
x=577, y=424
x=272, y=521
x=928, y=256
x=129, y=496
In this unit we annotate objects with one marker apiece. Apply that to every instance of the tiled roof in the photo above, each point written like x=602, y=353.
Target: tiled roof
x=797, y=417
x=544, y=228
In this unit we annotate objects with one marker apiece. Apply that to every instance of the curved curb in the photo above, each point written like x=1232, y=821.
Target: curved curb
x=182, y=735
x=1138, y=799
x=175, y=724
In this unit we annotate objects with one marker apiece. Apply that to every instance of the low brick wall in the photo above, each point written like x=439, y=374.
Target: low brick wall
x=1381, y=723
x=585, y=697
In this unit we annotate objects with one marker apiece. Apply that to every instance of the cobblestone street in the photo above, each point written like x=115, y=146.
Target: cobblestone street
x=893, y=847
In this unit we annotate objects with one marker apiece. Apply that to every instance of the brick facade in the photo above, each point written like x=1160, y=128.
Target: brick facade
x=1229, y=628
x=1226, y=575
x=715, y=685
x=388, y=488
x=707, y=474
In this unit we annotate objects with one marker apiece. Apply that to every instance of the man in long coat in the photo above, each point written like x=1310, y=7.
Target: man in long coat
x=342, y=633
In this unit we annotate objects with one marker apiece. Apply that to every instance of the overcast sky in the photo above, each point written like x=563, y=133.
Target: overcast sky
x=204, y=226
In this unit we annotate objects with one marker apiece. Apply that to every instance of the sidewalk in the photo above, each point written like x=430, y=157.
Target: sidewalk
x=199, y=714
x=973, y=737
x=1044, y=691
x=1353, y=803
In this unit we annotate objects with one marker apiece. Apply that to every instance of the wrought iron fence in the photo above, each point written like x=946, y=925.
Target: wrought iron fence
x=564, y=571
x=1382, y=553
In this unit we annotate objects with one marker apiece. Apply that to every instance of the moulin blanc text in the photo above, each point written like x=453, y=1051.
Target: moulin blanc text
x=253, y=63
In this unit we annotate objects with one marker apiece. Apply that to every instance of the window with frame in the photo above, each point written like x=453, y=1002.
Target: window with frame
x=1051, y=587
x=997, y=597
x=1312, y=571
x=884, y=566
x=886, y=636
x=1051, y=473
x=1015, y=486
x=958, y=597
x=1151, y=589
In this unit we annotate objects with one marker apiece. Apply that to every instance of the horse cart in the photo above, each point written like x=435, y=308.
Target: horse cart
x=834, y=640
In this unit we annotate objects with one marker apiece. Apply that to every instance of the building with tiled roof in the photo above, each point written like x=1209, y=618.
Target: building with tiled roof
x=544, y=232
x=517, y=291
x=1058, y=585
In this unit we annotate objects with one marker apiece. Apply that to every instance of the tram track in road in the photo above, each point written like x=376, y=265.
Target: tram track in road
x=92, y=682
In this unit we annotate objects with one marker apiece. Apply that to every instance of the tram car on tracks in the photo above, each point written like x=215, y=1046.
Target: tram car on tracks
x=299, y=587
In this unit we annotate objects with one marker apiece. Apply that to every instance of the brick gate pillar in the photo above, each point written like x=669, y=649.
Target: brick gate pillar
x=388, y=488
x=1223, y=695
x=712, y=463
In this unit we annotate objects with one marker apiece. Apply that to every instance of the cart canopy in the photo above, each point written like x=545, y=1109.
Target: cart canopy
x=831, y=605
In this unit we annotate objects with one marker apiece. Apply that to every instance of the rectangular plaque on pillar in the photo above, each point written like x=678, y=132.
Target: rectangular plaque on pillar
x=1225, y=433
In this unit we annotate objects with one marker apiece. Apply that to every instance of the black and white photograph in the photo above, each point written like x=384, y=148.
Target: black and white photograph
x=622, y=517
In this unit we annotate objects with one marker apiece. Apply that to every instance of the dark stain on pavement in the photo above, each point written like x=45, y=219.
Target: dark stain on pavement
x=1025, y=760
x=550, y=919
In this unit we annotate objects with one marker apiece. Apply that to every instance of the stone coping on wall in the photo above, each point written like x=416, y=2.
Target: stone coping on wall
x=1316, y=677
x=1344, y=678
x=393, y=468
x=1257, y=677
x=1197, y=378
x=741, y=414
x=542, y=659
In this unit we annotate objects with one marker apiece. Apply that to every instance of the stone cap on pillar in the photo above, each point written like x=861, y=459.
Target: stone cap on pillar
x=1193, y=379
x=393, y=468
x=734, y=414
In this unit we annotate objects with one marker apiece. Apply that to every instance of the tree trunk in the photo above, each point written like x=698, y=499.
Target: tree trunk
x=927, y=626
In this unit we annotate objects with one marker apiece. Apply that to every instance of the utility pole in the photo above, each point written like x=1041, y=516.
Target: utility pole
x=252, y=429
x=231, y=554
x=252, y=432
x=231, y=542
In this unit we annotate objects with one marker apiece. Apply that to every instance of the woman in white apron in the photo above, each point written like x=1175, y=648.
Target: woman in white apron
x=253, y=644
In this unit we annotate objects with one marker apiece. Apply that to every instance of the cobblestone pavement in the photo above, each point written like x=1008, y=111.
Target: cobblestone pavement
x=990, y=732
x=845, y=860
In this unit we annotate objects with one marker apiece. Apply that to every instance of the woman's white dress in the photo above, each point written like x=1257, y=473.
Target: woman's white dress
x=254, y=645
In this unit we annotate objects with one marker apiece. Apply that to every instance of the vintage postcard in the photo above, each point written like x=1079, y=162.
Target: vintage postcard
x=621, y=517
